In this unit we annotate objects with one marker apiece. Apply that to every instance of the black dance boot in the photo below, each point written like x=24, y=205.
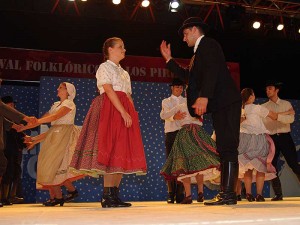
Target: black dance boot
x=276, y=185
x=120, y=203
x=16, y=196
x=179, y=192
x=5, y=191
x=48, y=201
x=229, y=177
x=108, y=198
x=171, y=191
x=200, y=197
x=54, y=202
x=71, y=195
x=171, y=197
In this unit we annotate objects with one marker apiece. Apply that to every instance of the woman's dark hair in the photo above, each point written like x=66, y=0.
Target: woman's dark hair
x=246, y=93
x=110, y=42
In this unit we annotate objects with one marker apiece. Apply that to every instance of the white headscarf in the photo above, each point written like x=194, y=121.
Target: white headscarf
x=71, y=90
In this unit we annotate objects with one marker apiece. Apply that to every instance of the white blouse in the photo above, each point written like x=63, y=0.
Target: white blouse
x=254, y=120
x=110, y=73
x=66, y=119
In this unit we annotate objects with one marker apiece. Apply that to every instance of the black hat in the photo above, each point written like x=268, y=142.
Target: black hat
x=193, y=21
x=274, y=83
x=7, y=99
x=177, y=82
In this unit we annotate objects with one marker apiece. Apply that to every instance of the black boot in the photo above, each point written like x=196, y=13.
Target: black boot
x=229, y=177
x=71, y=195
x=179, y=192
x=108, y=198
x=171, y=191
x=48, y=201
x=276, y=185
x=54, y=202
x=120, y=203
x=171, y=197
x=16, y=196
x=5, y=191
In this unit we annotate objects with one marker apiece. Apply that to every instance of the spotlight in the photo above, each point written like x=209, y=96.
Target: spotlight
x=145, y=3
x=280, y=26
x=174, y=4
x=256, y=25
x=116, y=2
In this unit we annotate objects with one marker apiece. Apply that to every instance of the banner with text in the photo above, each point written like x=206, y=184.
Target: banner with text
x=28, y=64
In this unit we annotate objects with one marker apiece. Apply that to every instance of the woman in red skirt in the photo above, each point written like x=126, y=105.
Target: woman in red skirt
x=110, y=142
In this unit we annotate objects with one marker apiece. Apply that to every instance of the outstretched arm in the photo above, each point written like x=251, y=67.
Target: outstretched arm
x=48, y=118
x=32, y=141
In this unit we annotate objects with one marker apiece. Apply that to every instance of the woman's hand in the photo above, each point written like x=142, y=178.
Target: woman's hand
x=30, y=145
x=30, y=142
x=27, y=139
x=28, y=126
x=127, y=119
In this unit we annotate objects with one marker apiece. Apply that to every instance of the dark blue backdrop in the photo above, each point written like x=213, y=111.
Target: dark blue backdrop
x=147, y=97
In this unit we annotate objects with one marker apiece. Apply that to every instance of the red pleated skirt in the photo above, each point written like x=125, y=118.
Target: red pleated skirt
x=121, y=149
x=105, y=145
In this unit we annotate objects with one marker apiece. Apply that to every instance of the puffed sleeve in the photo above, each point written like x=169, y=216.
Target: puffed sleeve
x=68, y=103
x=103, y=75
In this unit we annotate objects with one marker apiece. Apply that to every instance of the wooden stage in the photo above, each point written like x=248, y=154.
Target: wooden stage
x=285, y=212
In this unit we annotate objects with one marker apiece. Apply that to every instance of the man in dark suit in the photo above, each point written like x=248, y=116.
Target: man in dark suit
x=211, y=89
x=11, y=188
x=8, y=113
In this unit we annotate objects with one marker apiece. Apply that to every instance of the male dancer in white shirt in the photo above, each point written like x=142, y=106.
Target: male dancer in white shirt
x=280, y=132
x=171, y=117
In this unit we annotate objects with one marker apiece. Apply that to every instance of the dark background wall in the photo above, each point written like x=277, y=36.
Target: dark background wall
x=262, y=55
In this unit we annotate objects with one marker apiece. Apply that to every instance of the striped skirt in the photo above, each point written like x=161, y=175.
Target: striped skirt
x=254, y=151
x=193, y=152
x=55, y=156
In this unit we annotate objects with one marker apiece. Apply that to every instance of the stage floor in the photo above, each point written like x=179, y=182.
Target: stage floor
x=160, y=213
